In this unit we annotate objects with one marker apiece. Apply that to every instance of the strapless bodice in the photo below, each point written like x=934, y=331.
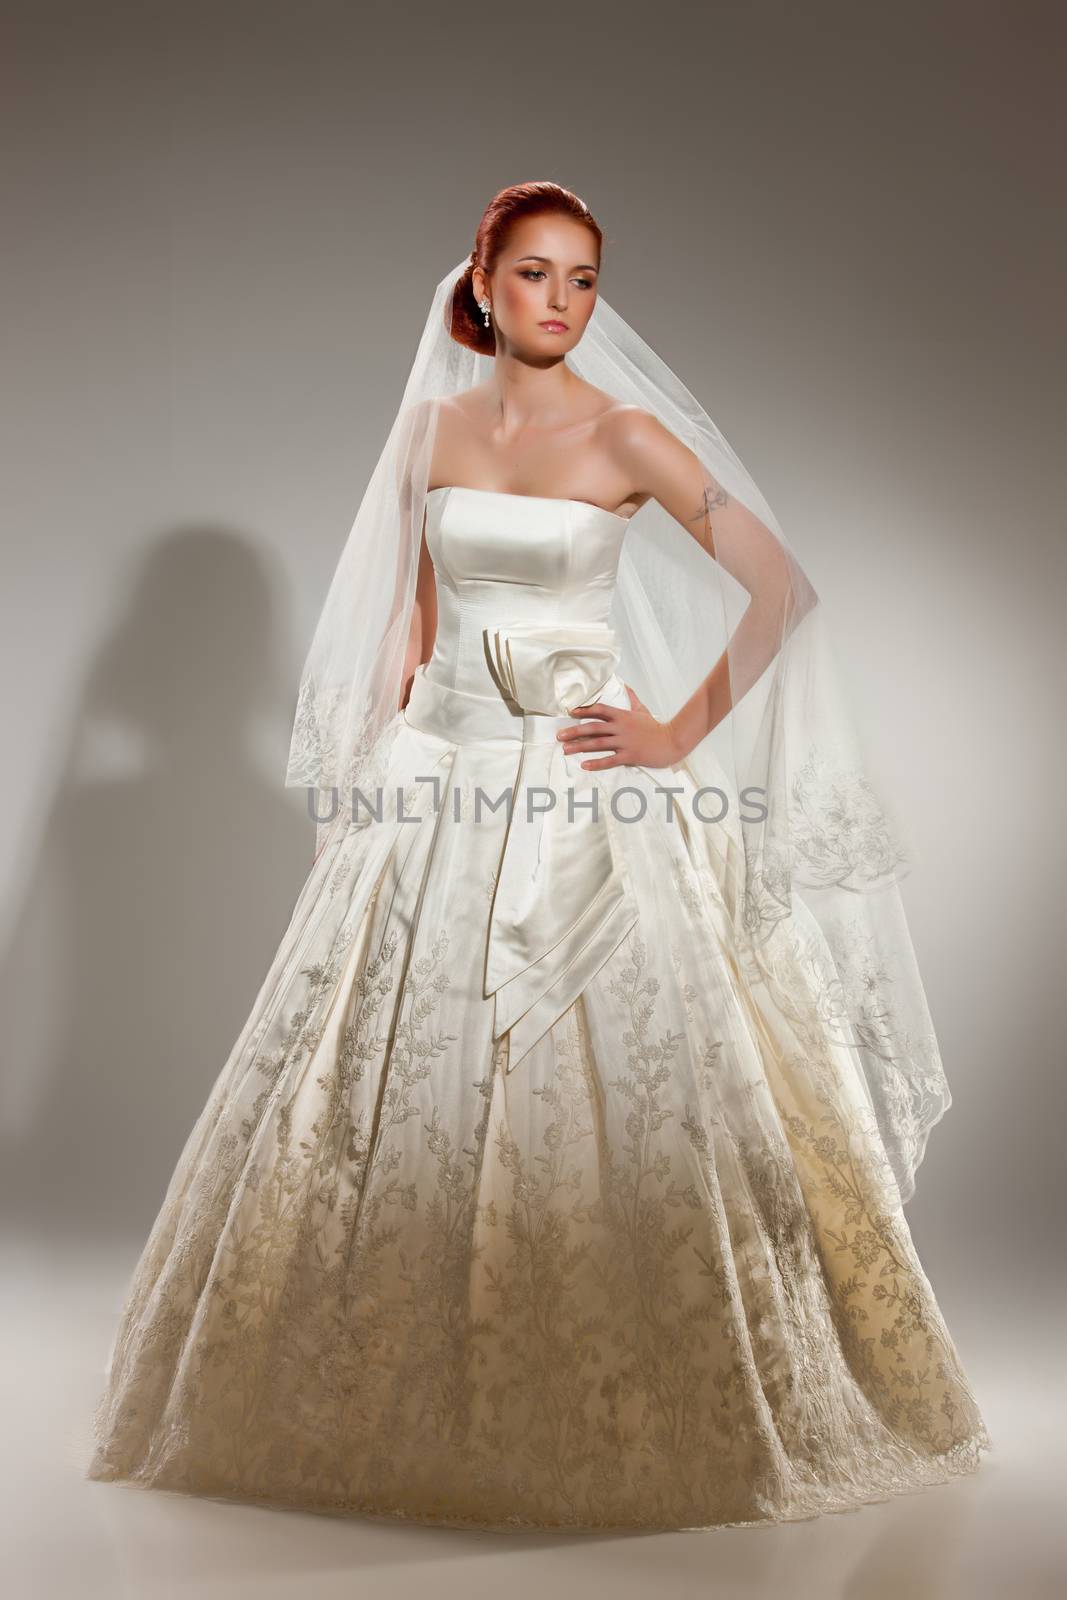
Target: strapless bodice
x=503, y=559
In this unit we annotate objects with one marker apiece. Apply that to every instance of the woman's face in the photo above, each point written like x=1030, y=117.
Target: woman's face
x=544, y=286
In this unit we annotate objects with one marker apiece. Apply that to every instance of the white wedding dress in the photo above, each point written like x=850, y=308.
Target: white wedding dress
x=520, y=1201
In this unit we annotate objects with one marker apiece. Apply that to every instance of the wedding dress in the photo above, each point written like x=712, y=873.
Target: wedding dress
x=517, y=1202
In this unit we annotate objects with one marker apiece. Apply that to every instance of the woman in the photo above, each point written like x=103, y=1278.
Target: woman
x=557, y=1176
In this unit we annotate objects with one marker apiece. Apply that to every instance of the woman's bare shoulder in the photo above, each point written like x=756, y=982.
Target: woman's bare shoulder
x=621, y=415
x=469, y=403
x=628, y=431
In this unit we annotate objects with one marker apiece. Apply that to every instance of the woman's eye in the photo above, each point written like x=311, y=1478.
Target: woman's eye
x=535, y=272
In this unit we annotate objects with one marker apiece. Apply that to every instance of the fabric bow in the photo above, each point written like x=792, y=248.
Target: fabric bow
x=552, y=670
x=562, y=903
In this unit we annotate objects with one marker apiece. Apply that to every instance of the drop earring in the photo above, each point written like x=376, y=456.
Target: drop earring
x=483, y=305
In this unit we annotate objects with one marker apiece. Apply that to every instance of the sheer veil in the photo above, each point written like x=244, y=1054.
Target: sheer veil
x=807, y=854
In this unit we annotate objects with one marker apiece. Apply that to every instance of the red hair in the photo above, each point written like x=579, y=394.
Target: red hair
x=504, y=209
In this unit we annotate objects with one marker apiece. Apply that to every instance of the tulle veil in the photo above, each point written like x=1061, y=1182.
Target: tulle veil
x=812, y=854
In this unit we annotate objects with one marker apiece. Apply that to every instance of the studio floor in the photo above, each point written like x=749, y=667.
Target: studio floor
x=997, y=1534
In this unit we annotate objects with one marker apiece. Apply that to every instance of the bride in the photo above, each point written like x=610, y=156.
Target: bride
x=557, y=1176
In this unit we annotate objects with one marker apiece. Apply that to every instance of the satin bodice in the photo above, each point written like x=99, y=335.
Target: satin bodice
x=503, y=558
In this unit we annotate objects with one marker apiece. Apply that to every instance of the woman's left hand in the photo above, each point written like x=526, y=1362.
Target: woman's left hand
x=635, y=736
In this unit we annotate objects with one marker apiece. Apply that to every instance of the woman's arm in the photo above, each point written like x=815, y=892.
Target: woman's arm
x=422, y=632
x=423, y=629
x=650, y=455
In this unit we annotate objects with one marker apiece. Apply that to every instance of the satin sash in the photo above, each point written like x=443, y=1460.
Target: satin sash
x=562, y=902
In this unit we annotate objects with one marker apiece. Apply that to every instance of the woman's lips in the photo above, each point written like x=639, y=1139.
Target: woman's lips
x=554, y=327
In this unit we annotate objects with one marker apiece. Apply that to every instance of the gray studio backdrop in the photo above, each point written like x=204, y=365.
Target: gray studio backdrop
x=839, y=224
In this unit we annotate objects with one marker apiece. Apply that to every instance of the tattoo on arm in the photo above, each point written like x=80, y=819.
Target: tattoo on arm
x=714, y=497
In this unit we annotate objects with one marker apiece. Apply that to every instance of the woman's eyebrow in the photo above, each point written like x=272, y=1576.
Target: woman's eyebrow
x=583, y=266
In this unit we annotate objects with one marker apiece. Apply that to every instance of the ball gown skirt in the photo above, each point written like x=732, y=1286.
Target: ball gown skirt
x=521, y=1201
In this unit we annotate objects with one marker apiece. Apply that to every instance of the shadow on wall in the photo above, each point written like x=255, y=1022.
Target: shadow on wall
x=164, y=878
